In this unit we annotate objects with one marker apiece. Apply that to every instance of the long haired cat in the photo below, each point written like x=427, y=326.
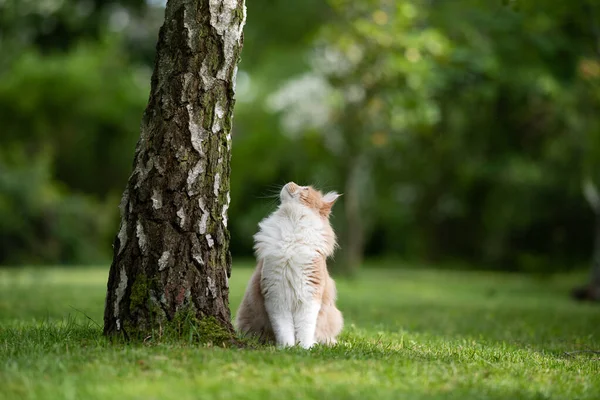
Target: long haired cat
x=291, y=297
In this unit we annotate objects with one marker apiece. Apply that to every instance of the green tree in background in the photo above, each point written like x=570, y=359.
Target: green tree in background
x=475, y=158
x=373, y=79
x=585, y=102
x=70, y=95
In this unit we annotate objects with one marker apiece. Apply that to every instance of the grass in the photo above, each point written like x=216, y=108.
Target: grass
x=414, y=334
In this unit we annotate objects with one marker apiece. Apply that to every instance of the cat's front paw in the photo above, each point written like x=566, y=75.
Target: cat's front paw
x=329, y=341
x=286, y=343
x=308, y=345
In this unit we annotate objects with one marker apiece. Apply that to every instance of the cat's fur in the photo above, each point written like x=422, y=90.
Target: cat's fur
x=291, y=297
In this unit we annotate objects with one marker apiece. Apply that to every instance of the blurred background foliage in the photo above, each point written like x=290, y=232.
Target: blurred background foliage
x=457, y=130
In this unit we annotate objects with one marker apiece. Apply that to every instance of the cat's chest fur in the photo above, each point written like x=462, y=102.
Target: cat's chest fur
x=288, y=243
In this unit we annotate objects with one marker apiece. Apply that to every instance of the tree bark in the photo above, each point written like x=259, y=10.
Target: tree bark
x=171, y=254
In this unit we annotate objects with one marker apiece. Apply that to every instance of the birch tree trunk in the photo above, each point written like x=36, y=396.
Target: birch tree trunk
x=171, y=254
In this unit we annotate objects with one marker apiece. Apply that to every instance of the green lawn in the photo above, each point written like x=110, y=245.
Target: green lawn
x=412, y=334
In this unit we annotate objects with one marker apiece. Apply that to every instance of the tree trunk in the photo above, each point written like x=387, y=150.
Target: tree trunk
x=355, y=229
x=591, y=291
x=171, y=256
x=595, y=273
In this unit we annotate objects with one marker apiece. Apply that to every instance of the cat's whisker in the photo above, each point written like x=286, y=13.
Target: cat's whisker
x=271, y=193
x=269, y=196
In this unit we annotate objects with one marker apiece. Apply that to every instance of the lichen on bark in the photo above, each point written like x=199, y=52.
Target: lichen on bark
x=171, y=254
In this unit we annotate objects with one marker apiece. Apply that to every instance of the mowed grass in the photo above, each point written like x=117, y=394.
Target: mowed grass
x=410, y=333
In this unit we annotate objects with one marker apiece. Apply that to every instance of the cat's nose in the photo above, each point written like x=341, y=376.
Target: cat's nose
x=291, y=187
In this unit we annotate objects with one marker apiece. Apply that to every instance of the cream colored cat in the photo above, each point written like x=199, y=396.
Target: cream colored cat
x=291, y=297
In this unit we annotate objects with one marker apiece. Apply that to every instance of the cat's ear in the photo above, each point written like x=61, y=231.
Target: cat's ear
x=329, y=200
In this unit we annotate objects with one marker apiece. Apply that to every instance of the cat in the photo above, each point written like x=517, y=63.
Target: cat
x=290, y=298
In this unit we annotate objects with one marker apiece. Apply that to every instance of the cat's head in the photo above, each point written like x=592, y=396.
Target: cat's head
x=309, y=197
